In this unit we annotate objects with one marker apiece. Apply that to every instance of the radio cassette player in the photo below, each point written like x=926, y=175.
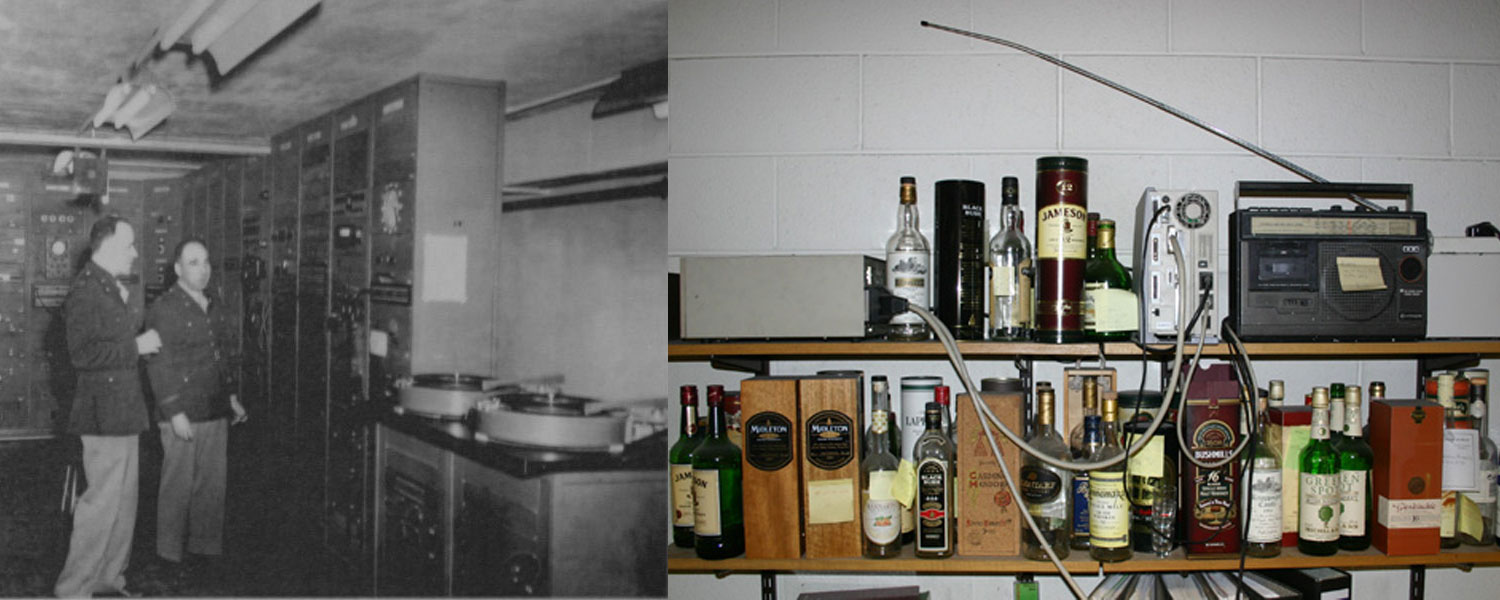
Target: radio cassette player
x=1305, y=274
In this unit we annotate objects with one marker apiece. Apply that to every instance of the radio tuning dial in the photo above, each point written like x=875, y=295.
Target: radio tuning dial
x=1193, y=211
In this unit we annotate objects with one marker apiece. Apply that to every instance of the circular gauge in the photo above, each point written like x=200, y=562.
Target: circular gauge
x=1192, y=210
x=59, y=247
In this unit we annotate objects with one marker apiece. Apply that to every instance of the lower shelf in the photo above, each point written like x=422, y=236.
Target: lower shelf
x=682, y=560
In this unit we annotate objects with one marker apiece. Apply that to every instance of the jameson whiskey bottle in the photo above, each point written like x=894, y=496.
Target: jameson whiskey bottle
x=1109, y=305
x=908, y=260
x=1318, y=492
x=1109, y=508
x=1263, y=530
x=680, y=456
x=1044, y=488
x=1010, y=269
x=882, y=512
x=934, y=454
x=1061, y=247
x=1356, y=477
x=718, y=517
x=1082, y=448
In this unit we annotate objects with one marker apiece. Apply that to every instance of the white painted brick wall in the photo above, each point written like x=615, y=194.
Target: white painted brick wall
x=793, y=119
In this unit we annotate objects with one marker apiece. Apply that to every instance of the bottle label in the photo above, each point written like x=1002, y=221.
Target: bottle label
x=1487, y=482
x=1109, y=309
x=768, y=441
x=1061, y=232
x=830, y=440
x=1109, y=510
x=706, y=513
x=906, y=277
x=1265, y=505
x=934, y=531
x=1352, y=501
x=882, y=513
x=682, y=495
x=1450, y=515
x=1081, y=504
x=1041, y=488
x=1460, y=460
x=1010, y=296
x=1410, y=514
x=1319, y=510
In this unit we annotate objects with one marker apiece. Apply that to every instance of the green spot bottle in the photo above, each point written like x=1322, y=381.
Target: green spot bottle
x=1356, y=478
x=718, y=516
x=1318, y=493
x=680, y=459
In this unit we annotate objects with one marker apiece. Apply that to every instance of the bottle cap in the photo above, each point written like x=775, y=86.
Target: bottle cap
x=940, y=395
x=689, y=395
x=1010, y=191
x=716, y=395
x=1320, y=397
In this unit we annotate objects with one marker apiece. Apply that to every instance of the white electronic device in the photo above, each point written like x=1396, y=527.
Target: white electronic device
x=1168, y=298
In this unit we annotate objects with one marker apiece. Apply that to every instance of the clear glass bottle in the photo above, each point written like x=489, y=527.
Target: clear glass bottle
x=908, y=262
x=1109, y=508
x=680, y=457
x=1356, y=477
x=1078, y=443
x=718, y=514
x=1044, y=488
x=1453, y=418
x=934, y=453
x=1263, y=529
x=1318, y=490
x=882, y=511
x=1010, y=269
x=1489, y=465
x=1109, y=304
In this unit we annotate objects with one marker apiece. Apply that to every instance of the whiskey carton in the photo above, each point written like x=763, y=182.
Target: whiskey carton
x=1407, y=437
x=1210, y=497
x=989, y=518
x=828, y=425
x=772, y=468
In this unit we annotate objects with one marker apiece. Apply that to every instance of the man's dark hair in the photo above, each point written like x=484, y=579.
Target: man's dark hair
x=103, y=229
x=182, y=245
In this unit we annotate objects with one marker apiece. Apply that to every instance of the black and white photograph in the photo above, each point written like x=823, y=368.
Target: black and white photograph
x=333, y=298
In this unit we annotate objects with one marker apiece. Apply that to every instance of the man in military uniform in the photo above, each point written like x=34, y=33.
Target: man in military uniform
x=105, y=343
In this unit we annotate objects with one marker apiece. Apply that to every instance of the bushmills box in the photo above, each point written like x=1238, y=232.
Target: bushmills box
x=829, y=411
x=1210, y=497
x=1289, y=430
x=1407, y=437
x=772, y=468
x=1072, y=397
x=988, y=516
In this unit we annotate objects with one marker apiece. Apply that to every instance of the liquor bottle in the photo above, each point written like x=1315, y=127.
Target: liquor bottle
x=934, y=452
x=732, y=426
x=959, y=245
x=1277, y=393
x=944, y=399
x=1109, y=305
x=1441, y=387
x=880, y=385
x=1377, y=390
x=1109, y=508
x=1318, y=491
x=1061, y=247
x=718, y=517
x=1151, y=473
x=908, y=261
x=882, y=511
x=1263, y=529
x=1010, y=269
x=1336, y=414
x=1356, y=478
x=1078, y=443
x=681, y=458
x=1043, y=486
x=1489, y=465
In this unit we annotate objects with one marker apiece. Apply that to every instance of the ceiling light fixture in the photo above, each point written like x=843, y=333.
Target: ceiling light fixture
x=137, y=106
x=229, y=30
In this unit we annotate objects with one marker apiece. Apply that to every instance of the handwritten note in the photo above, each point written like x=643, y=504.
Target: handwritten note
x=830, y=501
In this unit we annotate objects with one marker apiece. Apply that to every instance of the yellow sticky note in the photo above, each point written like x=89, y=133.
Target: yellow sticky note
x=1470, y=523
x=904, y=488
x=1360, y=274
x=830, y=501
x=1148, y=462
x=880, y=485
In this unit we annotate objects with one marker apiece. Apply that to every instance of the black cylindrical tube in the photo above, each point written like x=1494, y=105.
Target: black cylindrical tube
x=959, y=242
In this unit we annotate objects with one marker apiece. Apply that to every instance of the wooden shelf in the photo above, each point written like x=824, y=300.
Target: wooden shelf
x=682, y=560
x=703, y=351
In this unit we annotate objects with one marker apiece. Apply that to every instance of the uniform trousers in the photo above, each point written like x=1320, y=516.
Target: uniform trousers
x=190, y=504
x=103, y=518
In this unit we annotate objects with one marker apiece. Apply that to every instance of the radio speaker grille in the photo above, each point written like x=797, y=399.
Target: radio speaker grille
x=1353, y=306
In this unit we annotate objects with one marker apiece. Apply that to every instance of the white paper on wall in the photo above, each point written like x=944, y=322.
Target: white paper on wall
x=445, y=266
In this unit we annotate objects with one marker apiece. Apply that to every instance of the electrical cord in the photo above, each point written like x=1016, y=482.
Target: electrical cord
x=1182, y=398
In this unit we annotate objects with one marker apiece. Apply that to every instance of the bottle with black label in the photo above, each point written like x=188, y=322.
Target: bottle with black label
x=681, y=458
x=1044, y=488
x=934, y=453
x=718, y=514
x=882, y=511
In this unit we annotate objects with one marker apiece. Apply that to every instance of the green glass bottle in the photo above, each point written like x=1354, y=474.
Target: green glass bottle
x=1109, y=305
x=718, y=517
x=680, y=458
x=1318, y=494
x=1336, y=412
x=1356, y=478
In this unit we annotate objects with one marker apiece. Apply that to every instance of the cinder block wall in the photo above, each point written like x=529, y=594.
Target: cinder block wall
x=793, y=120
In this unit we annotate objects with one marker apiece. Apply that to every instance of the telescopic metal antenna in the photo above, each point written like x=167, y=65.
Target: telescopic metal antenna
x=1164, y=107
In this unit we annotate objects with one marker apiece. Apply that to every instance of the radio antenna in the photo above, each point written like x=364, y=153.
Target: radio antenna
x=1163, y=106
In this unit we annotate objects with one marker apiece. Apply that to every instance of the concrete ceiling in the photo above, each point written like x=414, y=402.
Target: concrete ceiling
x=59, y=57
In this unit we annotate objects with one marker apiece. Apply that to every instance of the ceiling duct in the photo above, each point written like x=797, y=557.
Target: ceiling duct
x=638, y=87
